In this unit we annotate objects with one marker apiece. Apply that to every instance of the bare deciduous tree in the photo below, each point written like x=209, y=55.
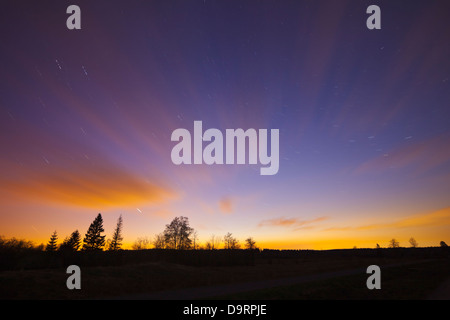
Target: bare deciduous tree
x=230, y=242
x=250, y=244
x=141, y=243
x=159, y=242
x=413, y=242
x=213, y=243
x=195, y=244
x=178, y=234
x=394, y=243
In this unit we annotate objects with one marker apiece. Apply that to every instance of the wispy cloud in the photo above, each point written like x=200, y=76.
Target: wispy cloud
x=293, y=223
x=226, y=205
x=423, y=155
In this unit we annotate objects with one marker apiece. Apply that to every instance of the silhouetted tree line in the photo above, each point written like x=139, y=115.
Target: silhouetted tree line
x=177, y=243
x=177, y=235
x=93, y=240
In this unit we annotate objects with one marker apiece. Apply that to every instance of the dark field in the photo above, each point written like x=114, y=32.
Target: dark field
x=406, y=273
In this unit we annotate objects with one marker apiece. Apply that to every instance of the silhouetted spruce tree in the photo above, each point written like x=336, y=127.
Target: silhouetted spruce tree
x=116, y=241
x=71, y=243
x=51, y=245
x=93, y=239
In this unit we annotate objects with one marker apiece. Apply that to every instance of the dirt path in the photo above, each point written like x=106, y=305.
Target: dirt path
x=442, y=292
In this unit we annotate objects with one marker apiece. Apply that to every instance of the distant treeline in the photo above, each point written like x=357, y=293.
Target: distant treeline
x=23, y=257
x=422, y=252
x=178, y=234
x=178, y=243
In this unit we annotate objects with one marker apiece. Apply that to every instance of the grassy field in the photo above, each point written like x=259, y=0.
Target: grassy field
x=110, y=281
x=412, y=282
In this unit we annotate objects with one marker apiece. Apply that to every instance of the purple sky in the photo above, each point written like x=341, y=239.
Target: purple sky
x=364, y=117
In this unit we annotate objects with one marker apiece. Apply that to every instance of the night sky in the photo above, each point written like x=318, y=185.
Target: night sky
x=86, y=118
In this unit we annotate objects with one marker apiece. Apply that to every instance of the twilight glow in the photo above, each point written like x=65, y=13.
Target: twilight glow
x=86, y=118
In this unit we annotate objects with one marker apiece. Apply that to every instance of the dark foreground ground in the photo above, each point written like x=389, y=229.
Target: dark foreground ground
x=419, y=273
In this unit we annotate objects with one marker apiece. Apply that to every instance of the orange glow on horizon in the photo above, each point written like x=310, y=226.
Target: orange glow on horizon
x=88, y=186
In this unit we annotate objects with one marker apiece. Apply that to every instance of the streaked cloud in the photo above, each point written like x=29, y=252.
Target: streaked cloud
x=423, y=155
x=293, y=223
